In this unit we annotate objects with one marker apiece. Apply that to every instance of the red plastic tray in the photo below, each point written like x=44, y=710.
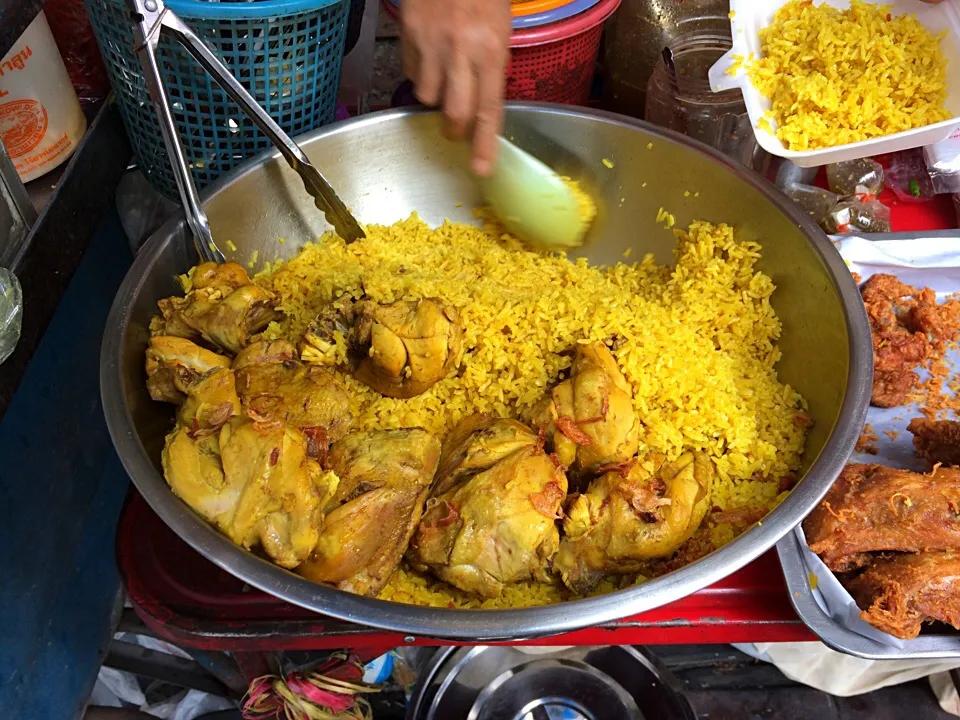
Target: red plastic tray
x=189, y=601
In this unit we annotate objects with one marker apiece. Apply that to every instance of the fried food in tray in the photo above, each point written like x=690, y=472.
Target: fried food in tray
x=897, y=351
x=936, y=441
x=874, y=509
x=900, y=593
x=909, y=328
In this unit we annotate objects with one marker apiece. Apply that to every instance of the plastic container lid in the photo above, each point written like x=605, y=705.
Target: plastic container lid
x=537, y=13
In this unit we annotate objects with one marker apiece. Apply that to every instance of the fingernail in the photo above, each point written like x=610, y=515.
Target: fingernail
x=481, y=167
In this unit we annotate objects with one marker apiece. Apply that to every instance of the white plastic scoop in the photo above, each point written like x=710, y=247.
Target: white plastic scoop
x=533, y=202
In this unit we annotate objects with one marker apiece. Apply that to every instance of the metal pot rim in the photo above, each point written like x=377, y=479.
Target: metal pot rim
x=491, y=625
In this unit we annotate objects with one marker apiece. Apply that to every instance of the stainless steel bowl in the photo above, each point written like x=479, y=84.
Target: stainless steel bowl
x=390, y=164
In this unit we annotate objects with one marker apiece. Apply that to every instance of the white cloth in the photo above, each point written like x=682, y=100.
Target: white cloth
x=816, y=665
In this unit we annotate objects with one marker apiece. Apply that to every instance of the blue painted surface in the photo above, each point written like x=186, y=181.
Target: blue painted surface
x=61, y=490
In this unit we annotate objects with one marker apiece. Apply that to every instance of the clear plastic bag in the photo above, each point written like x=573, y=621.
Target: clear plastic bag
x=815, y=202
x=855, y=177
x=141, y=208
x=906, y=175
x=853, y=215
x=943, y=164
x=11, y=313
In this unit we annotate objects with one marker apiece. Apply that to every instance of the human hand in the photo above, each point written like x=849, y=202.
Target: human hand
x=455, y=52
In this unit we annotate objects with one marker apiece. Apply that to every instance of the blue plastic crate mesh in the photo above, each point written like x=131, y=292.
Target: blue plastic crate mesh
x=288, y=57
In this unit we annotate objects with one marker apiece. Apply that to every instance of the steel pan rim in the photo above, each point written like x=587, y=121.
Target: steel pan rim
x=491, y=625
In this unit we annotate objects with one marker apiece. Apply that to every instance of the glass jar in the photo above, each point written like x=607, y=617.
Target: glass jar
x=637, y=33
x=680, y=99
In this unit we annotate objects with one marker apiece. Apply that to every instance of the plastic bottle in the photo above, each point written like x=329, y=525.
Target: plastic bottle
x=41, y=121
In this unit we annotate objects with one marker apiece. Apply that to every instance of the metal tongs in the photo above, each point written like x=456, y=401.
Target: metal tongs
x=150, y=19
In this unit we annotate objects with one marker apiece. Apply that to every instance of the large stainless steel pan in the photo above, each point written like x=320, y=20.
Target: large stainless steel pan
x=391, y=164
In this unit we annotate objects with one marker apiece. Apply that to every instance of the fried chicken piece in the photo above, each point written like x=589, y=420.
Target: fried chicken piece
x=873, y=508
x=399, y=349
x=494, y=523
x=898, y=594
x=936, y=441
x=633, y=514
x=938, y=322
x=590, y=417
x=173, y=364
x=274, y=385
x=222, y=308
x=898, y=347
x=893, y=389
x=384, y=478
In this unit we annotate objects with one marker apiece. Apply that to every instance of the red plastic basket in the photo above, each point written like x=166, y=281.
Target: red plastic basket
x=555, y=62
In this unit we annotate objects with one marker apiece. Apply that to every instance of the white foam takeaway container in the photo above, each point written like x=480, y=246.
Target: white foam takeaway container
x=748, y=17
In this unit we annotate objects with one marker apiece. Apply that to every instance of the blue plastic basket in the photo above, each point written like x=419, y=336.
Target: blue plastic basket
x=287, y=53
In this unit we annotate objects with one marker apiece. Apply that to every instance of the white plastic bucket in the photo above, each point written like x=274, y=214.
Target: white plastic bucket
x=748, y=17
x=41, y=121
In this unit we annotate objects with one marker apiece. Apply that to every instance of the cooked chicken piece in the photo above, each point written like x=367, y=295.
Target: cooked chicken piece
x=873, y=508
x=209, y=283
x=898, y=594
x=936, y=441
x=495, y=523
x=644, y=510
x=284, y=490
x=194, y=471
x=274, y=385
x=938, y=322
x=893, y=389
x=230, y=323
x=882, y=294
x=908, y=326
x=895, y=354
x=477, y=443
x=266, y=351
x=217, y=309
x=399, y=349
x=211, y=402
x=384, y=478
x=174, y=364
x=255, y=483
x=590, y=416
x=226, y=277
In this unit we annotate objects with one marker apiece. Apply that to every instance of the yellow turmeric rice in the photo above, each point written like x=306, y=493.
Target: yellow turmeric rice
x=842, y=76
x=697, y=342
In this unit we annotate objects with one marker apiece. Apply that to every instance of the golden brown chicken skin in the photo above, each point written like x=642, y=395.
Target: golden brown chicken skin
x=274, y=385
x=173, y=364
x=495, y=521
x=906, y=325
x=936, y=441
x=253, y=481
x=590, y=417
x=384, y=478
x=223, y=308
x=399, y=349
x=898, y=594
x=873, y=508
x=282, y=490
x=638, y=512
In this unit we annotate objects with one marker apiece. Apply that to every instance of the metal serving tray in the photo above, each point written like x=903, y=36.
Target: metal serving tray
x=834, y=635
